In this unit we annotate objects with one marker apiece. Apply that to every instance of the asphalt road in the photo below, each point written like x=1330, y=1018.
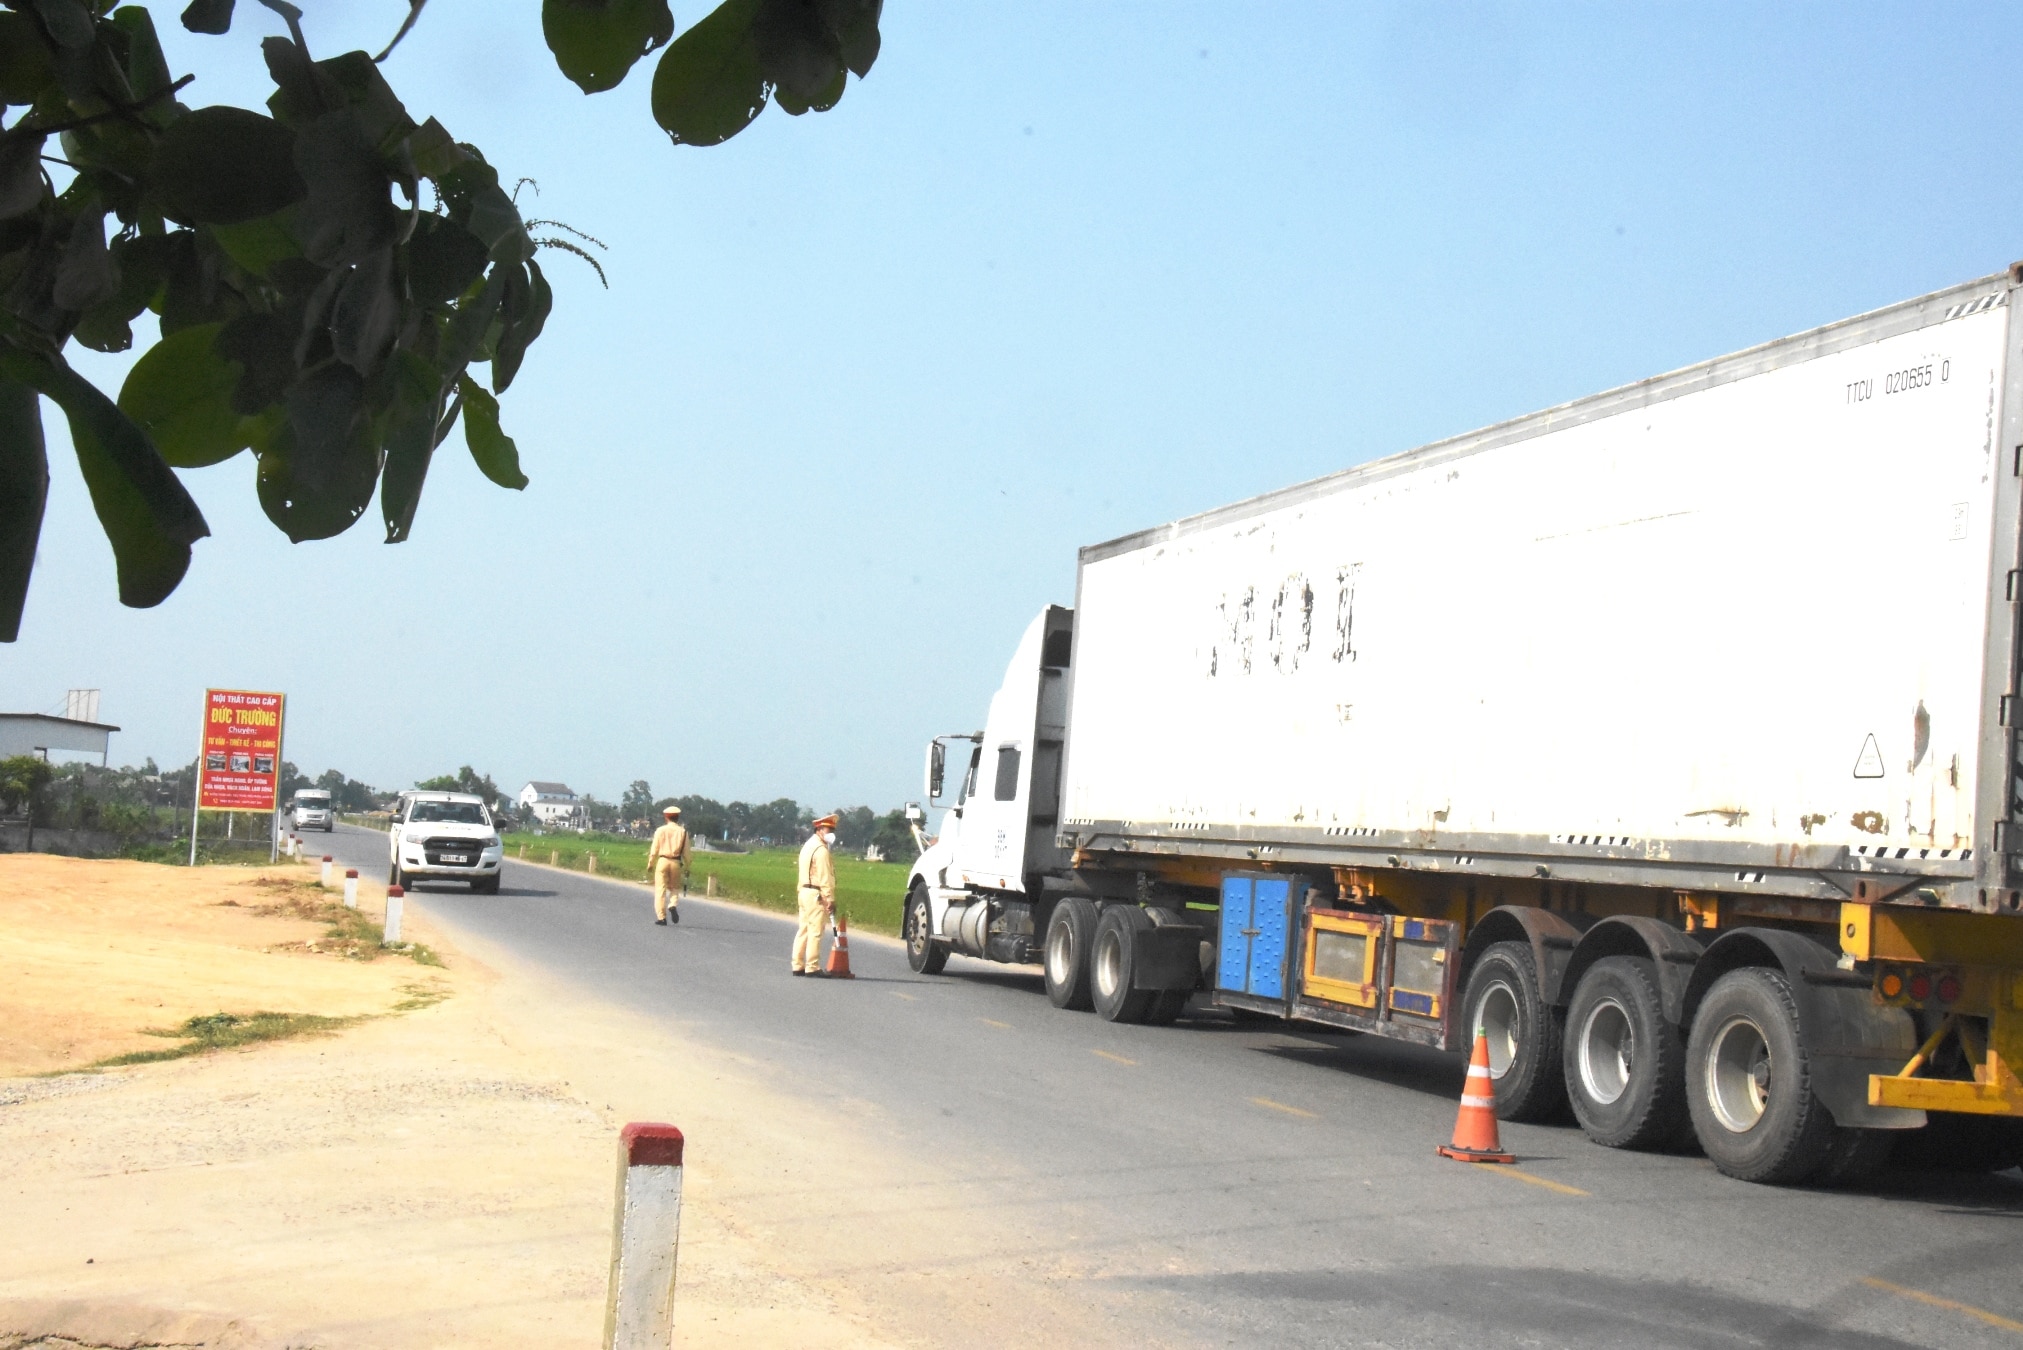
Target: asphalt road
x=1262, y=1186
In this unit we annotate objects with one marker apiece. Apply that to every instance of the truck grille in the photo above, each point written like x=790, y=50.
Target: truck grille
x=465, y=851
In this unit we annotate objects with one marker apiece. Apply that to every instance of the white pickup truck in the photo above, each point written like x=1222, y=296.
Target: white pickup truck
x=445, y=836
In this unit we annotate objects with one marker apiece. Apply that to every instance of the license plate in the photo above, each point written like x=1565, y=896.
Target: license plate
x=456, y=857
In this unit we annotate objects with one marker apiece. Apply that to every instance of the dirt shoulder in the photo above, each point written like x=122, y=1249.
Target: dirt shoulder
x=440, y=1177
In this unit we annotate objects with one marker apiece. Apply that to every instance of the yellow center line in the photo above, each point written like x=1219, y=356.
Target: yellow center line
x=1115, y=1059
x=908, y=997
x=1506, y=1170
x=1270, y=1105
x=1950, y=1305
x=1002, y=1026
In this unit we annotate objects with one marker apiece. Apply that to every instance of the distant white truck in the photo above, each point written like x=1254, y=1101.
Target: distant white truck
x=1669, y=737
x=311, y=809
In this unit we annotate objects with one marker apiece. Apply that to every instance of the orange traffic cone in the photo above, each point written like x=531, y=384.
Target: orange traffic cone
x=838, y=967
x=1475, y=1137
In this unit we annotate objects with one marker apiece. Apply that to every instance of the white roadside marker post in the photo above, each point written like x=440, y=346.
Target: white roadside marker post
x=395, y=898
x=351, y=888
x=324, y=880
x=646, y=1232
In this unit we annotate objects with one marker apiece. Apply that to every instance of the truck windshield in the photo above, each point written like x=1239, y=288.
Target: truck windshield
x=448, y=813
x=318, y=800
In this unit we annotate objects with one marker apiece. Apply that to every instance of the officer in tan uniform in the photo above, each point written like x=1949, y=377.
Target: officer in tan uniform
x=667, y=860
x=817, y=894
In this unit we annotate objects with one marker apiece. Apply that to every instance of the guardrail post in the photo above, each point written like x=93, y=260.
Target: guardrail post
x=395, y=902
x=593, y=864
x=351, y=888
x=645, y=1235
x=324, y=880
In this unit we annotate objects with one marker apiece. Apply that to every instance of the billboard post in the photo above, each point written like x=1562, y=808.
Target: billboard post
x=239, y=761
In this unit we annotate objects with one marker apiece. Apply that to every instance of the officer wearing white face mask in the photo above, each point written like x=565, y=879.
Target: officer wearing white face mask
x=817, y=893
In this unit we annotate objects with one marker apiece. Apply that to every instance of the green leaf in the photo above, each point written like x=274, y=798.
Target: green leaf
x=348, y=211
x=27, y=65
x=145, y=512
x=67, y=22
x=180, y=394
x=20, y=175
x=465, y=332
x=319, y=470
x=411, y=439
x=855, y=23
x=596, y=42
x=797, y=50
x=824, y=99
x=709, y=84
x=443, y=259
x=526, y=307
x=147, y=70
x=208, y=16
x=85, y=277
x=498, y=458
x=256, y=245
x=224, y=165
x=24, y=490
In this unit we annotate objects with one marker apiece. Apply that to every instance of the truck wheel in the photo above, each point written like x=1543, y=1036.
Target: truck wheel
x=1749, y=1082
x=1070, y=934
x=485, y=885
x=1857, y=1155
x=1112, y=958
x=1167, y=1005
x=1503, y=1000
x=923, y=953
x=1624, y=1063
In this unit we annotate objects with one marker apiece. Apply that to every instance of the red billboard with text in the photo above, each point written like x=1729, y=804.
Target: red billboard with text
x=240, y=769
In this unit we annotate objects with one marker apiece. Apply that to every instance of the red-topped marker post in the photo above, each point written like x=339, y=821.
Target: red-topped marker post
x=646, y=1230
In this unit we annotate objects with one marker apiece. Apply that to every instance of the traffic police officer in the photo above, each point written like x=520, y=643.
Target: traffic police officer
x=667, y=859
x=817, y=894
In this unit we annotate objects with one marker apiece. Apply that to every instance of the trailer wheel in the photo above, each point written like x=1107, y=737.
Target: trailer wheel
x=1504, y=1001
x=1624, y=1063
x=1749, y=1084
x=1112, y=958
x=1857, y=1155
x=923, y=953
x=1070, y=933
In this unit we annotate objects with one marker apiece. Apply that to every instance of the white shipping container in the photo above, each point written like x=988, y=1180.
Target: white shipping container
x=1748, y=622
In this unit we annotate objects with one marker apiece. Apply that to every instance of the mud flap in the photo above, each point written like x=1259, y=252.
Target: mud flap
x=1850, y=1036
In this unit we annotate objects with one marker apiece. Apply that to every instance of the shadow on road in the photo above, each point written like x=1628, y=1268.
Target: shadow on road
x=1559, y=1307
x=1432, y=1072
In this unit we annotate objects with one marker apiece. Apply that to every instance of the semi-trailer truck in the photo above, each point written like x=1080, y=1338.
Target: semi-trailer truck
x=1668, y=738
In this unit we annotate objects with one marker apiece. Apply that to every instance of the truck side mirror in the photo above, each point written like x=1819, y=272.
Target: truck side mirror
x=937, y=764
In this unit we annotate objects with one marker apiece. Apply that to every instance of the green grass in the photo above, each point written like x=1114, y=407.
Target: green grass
x=224, y=1031
x=870, y=895
x=350, y=933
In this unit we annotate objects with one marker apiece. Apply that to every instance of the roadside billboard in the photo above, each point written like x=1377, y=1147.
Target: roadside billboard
x=239, y=768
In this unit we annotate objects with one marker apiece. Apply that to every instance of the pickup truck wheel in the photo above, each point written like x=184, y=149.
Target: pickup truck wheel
x=923, y=953
x=1749, y=1083
x=1625, y=1064
x=485, y=885
x=1112, y=958
x=1504, y=1001
x=1070, y=934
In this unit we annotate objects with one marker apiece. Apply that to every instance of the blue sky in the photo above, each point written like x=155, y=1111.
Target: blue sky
x=864, y=381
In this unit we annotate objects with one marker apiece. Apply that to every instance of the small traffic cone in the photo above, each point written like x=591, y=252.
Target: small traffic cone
x=838, y=967
x=1475, y=1137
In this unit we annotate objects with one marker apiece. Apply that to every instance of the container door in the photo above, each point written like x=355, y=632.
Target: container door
x=1270, y=920
x=1232, y=971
